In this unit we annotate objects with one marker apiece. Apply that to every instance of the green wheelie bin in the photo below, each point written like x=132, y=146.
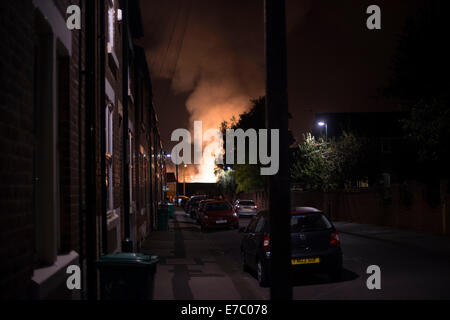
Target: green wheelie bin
x=163, y=217
x=127, y=276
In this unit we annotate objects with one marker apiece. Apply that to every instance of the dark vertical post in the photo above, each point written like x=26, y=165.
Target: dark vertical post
x=176, y=185
x=127, y=245
x=91, y=190
x=277, y=118
x=81, y=208
x=102, y=53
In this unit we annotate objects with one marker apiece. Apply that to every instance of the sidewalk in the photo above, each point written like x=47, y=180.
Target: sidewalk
x=195, y=265
x=436, y=244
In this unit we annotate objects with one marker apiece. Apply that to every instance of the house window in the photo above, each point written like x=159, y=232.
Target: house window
x=113, y=62
x=111, y=26
x=109, y=156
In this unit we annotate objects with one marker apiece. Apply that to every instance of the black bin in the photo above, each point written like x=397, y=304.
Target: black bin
x=127, y=276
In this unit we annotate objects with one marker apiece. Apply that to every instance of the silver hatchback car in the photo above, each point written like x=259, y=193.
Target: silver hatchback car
x=245, y=208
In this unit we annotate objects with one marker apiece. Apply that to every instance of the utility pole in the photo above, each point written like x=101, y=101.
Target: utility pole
x=184, y=179
x=176, y=185
x=277, y=118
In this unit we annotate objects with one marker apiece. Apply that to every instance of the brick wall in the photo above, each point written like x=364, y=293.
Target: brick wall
x=16, y=156
x=19, y=34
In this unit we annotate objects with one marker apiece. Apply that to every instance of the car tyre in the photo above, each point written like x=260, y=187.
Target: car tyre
x=245, y=267
x=262, y=274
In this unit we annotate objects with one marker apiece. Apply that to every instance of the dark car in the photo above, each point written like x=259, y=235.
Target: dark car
x=217, y=214
x=201, y=206
x=192, y=205
x=315, y=245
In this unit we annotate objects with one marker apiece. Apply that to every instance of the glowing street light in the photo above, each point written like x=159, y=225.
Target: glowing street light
x=324, y=124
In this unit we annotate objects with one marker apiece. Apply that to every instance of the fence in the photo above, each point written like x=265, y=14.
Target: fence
x=401, y=206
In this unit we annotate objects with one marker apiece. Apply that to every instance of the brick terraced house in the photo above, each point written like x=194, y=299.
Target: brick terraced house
x=81, y=162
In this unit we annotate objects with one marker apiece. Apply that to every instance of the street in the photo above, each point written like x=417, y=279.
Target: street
x=196, y=265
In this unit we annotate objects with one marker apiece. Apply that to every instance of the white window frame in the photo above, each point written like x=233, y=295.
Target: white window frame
x=110, y=43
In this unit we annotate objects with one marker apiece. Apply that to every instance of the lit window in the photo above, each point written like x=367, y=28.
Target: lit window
x=111, y=26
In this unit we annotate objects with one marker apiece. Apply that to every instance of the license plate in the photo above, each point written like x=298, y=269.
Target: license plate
x=221, y=221
x=305, y=261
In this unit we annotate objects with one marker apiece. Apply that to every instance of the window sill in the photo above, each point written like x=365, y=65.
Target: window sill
x=50, y=279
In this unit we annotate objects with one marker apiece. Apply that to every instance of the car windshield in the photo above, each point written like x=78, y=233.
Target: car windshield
x=246, y=203
x=309, y=222
x=218, y=206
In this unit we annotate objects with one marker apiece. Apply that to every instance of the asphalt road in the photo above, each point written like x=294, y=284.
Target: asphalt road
x=207, y=266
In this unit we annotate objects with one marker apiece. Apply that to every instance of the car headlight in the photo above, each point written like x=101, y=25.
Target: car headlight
x=235, y=214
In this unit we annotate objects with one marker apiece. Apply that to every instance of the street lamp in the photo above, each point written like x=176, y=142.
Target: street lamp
x=184, y=179
x=324, y=124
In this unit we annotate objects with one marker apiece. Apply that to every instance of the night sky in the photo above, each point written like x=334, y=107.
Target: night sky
x=207, y=58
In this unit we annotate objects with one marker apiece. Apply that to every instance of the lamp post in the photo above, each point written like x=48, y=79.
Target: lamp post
x=184, y=179
x=324, y=124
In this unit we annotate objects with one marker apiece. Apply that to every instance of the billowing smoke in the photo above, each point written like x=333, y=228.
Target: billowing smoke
x=212, y=50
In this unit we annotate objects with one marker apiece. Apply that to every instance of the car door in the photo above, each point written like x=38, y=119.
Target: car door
x=259, y=236
x=252, y=242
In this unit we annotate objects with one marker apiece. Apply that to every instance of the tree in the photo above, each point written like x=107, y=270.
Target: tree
x=247, y=176
x=226, y=182
x=420, y=81
x=338, y=163
x=313, y=166
x=428, y=127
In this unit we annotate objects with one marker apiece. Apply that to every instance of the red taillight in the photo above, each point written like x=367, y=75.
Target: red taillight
x=334, y=239
x=256, y=207
x=266, y=243
x=238, y=207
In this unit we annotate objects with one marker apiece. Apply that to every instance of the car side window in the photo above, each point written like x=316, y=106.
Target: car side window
x=260, y=225
x=252, y=225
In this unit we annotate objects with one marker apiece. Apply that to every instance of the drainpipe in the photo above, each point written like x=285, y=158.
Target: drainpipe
x=102, y=53
x=127, y=244
x=90, y=152
x=81, y=211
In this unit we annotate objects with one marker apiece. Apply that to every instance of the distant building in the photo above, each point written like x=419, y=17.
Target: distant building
x=199, y=188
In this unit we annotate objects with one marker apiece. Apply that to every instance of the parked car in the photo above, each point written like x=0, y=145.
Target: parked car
x=217, y=214
x=315, y=244
x=201, y=206
x=180, y=200
x=245, y=208
x=193, y=205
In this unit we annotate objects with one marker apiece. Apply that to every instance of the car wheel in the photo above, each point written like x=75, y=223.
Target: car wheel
x=261, y=271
